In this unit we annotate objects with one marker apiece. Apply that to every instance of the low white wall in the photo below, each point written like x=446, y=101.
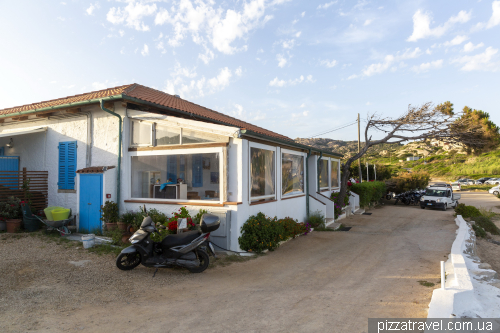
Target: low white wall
x=458, y=297
x=317, y=205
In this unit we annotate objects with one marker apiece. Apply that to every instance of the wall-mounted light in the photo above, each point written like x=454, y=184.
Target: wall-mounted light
x=11, y=143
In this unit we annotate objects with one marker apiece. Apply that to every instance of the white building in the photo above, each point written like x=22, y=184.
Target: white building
x=412, y=158
x=166, y=152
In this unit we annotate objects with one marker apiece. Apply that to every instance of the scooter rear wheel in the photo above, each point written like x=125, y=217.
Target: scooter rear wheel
x=204, y=262
x=128, y=261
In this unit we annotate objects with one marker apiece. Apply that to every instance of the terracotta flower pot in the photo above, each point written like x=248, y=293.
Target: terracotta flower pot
x=130, y=229
x=13, y=225
x=125, y=239
x=122, y=226
x=111, y=226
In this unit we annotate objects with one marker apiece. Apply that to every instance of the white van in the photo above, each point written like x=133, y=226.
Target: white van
x=439, y=197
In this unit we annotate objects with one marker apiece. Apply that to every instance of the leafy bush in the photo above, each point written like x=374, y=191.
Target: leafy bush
x=337, y=207
x=128, y=217
x=197, y=217
x=408, y=181
x=369, y=192
x=116, y=235
x=261, y=233
x=11, y=208
x=182, y=213
x=316, y=219
x=466, y=211
x=479, y=231
x=292, y=228
x=109, y=212
x=486, y=223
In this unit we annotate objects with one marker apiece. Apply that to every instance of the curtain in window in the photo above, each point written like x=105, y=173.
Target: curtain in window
x=335, y=173
x=292, y=174
x=262, y=170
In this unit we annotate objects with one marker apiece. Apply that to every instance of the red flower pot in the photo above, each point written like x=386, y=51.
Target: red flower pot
x=13, y=225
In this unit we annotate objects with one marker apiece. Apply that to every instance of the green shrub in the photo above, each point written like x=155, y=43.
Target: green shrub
x=466, y=211
x=369, y=192
x=128, y=217
x=408, y=181
x=197, y=217
x=292, y=228
x=479, y=231
x=337, y=208
x=486, y=223
x=116, y=235
x=316, y=219
x=261, y=233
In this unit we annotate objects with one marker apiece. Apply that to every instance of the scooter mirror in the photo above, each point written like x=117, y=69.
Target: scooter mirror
x=161, y=226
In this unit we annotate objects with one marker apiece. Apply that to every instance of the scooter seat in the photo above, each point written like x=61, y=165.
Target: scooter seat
x=179, y=239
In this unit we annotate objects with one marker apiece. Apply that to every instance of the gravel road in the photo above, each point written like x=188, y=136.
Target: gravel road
x=325, y=281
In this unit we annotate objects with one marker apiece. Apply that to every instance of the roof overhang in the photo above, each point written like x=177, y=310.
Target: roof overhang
x=22, y=132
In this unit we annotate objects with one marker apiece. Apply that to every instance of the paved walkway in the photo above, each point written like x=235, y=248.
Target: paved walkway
x=323, y=282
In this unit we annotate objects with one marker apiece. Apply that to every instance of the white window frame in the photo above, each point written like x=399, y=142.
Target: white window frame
x=292, y=152
x=338, y=173
x=265, y=147
x=328, y=173
x=189, y=151
x=151, y=137
x=162, y=125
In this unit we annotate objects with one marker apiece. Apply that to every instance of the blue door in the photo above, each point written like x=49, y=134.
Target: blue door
x=90, y=203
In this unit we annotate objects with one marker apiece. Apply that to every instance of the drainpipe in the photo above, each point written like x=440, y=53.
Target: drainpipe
x=307, y=181
x=317, y=167
x=118, y=178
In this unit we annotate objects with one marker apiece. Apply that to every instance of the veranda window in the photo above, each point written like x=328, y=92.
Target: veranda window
x=167, y=135
x=323, y=173
x=262, y=174
x=335, y=173
x=292, y=174
x=176, y=177
x=141, y=133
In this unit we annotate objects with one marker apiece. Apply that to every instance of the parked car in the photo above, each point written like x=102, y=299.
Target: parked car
x=495, y=190
x=456, y=186
x=493, y=181
x=463, y=182
x=482, y=180
x=471, y=182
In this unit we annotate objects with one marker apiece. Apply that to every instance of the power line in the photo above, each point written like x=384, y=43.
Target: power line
x=335, y=129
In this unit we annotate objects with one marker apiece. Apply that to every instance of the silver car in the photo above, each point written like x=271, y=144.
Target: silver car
x=495, y=190
x=493, y=181
x=456, y=186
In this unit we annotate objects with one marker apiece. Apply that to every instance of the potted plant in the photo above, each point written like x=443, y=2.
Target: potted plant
x=10, y=211
x=109, y=214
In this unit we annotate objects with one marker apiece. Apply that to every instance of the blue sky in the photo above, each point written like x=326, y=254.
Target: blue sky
x=297, y=68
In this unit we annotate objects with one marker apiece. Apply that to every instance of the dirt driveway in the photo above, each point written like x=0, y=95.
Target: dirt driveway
x=323, y=282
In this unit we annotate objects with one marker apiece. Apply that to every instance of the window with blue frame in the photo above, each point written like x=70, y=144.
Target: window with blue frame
x=67, y=165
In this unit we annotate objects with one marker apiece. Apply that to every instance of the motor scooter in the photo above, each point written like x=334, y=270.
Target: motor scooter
x=187, y=249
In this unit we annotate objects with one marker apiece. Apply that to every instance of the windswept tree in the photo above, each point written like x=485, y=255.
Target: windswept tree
x=417, y=123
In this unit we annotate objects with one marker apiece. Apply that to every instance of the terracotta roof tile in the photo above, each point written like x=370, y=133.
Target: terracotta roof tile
x=96, y=169
x=66, y=100
x=153, y=96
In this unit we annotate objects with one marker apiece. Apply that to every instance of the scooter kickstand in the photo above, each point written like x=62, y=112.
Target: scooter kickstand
x=155, y=272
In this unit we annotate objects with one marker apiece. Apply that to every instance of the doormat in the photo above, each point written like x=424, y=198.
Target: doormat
x=344, y=229
x=366, y=214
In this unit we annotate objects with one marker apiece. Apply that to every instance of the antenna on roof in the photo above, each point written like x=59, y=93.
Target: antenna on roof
x=178, y=96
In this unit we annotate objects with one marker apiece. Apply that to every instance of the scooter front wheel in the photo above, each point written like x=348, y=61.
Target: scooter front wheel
x=128, y=261
x=204, y=262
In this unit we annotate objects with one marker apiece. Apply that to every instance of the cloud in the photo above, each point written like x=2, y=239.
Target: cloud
x=479, y=62
x=238, y=71
x=288, y=44
x=389, y=60
x=282, y=83
x=132, y=15
x=427, y=66
x=303, y=14
x=282, y=61
x=185, y=82
x=456, y=41
x=206, y=23
x=298, y=34
x=329, y=63
x=326, y=5
x=145, y=50
x=242, y=115
x=495, y=16
x=90, y=10
x=469, y=47
x=422, y=22
x=367, y=22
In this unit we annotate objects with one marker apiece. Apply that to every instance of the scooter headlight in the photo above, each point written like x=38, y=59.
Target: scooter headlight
x=421, y=198
x=438, y=200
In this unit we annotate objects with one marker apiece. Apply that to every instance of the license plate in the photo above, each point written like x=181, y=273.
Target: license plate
x=429, y=204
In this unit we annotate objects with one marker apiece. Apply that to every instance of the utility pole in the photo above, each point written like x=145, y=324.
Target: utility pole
x=367, y=175
x=359, y=149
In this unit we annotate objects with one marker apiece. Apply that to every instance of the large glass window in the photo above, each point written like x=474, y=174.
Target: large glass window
x=141, y=133
x=167, y=135
x=323, y=173
x=176, y=177
x=190, y=137
x=262, y=174
x=335, y=173
x=292, y=174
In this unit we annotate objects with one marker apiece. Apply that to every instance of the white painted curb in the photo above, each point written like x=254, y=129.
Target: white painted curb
x=458, y=297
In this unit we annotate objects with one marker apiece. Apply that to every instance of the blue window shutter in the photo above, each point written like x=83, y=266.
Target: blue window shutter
x=2, y=151
x=197, y=170
x=172, y=168
x=71, y=160
x=67, y=165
